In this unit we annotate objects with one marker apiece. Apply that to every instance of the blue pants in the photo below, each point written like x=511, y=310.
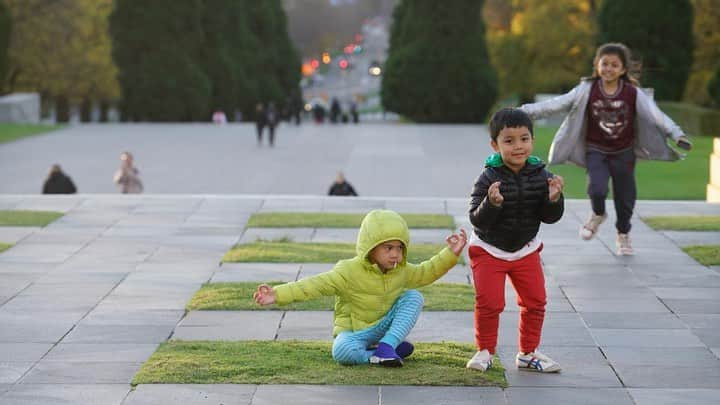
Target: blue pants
x=352, y=347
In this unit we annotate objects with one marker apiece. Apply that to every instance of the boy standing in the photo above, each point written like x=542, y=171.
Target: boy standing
x=510, y=199
x=376, y=303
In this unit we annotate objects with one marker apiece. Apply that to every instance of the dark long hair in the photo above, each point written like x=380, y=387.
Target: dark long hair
x=632, y=68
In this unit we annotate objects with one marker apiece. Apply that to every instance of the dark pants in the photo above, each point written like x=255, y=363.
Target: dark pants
x=621, y=168
x=272, y=134
x=259, y=130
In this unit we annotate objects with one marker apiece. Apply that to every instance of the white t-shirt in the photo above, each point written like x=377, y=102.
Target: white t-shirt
x=497, y=253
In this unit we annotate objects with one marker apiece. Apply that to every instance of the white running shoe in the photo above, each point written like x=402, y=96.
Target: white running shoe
x=590, y=228
x=624, y=248
x=481, y=361
x=536, y=361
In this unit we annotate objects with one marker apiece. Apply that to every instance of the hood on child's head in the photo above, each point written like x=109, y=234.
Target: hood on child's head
x=380, y=226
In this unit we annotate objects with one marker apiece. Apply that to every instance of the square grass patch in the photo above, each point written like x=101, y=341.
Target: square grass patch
x=337, y=220
x=283, y=251
x=307, y=362
x=28, y=218
x=239, y=297
x=4, y=246
x=11, y=131
x=684, y=223
x=707, y=255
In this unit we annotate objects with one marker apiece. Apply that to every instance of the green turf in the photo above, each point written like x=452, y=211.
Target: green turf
x=238, y=296
x=10, y=132
x=684, y=223
x=28, y=218
x=708, y=255
x=284, y=251
x=308, y=362
x=335, y=220
x=681, y=180
x=5, y=246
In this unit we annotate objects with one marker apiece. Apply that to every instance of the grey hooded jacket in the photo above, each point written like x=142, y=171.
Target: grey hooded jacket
x=652, y=126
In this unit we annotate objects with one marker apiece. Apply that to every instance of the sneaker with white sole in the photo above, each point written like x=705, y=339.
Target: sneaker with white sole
x=624, y=247
x=481, y=361
x=590, y=228
x=536, y=361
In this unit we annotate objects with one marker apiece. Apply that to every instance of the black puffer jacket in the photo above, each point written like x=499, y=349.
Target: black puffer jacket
x=516, y=222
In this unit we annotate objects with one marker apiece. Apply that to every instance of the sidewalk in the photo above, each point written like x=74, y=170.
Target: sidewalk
x=85, y=301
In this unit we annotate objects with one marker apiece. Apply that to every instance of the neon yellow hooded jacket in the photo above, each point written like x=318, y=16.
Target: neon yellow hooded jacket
x=364, y=294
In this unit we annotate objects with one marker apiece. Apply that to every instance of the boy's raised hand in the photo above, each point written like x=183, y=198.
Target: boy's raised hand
x=555, y=187
x=494, y=195
x=265, y=295
x=456, y=242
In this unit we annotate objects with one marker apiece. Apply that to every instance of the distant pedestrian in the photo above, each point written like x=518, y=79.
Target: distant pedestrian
x=335, y=110
x=341, y=187
x=611, y=122
x=127, y=176
x=354, y=112
x=219, y=117
x=272, y=118
x=260, y=122
x=58, y=182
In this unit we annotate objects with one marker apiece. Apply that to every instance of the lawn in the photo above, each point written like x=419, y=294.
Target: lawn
x=708, y=255
x=291, y=252
x=684, y=223
x=335, y=220
x=10, y=132
x=238, y=296
x=682, y=180
x=4, y=246
x=28, y=218
x=308, y=362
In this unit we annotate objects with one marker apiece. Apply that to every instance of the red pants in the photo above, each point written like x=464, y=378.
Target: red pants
x=527, y=278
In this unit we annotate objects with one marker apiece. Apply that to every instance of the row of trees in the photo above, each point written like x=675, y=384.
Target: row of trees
x=544, y=47
x=165, y=60
x=178, y=61
x=438, y=69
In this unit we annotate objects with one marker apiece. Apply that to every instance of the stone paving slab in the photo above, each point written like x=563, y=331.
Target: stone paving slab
x=119, y=334
x=28, y=352
x=562, y=395
x=67, y=394
x=12, y=234
x=55, y=372
x=101, y=352
x=667, y=338
x=664, y=396
x=664, y=377
x=259, y=272
x=191, y=394
x=661, y=356
x=228, y=325
x=10, y=372
x=399, y=395
x=315, y=394
x=122, y=316
x=632, y=320
x=306, y=325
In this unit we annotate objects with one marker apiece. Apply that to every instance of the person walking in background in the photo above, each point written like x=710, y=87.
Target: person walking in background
x=219, y=117
x=260, y=122
x=341, y=186
x=611, y=122
x=58, y=182
x=127, y=176
x=376, y=301
x=272, y=119
x=509, y=200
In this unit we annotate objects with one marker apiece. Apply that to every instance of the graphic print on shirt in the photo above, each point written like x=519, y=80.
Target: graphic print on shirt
x=612, y=116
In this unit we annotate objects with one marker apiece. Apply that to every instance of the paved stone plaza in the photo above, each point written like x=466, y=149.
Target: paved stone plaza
x=86, y=300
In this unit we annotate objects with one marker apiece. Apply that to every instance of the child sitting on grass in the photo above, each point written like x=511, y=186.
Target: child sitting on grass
x=376, y=301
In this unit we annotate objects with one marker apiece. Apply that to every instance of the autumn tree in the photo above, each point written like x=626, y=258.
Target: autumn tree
x=438, y=68
x=706, y=57
x=5, y=25
x=540, y=46
x=61, y=49
x=659, y=33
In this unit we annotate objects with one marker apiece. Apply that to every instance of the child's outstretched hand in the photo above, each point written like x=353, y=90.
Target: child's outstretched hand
x=684, y=143
x=494, y=195
x=555, y=187
x=456, y=242
x=265, y=295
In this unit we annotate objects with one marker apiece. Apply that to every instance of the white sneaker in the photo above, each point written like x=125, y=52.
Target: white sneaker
x=481, y=361
x=624, y=248
x=536, y=361
x=590, y=228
